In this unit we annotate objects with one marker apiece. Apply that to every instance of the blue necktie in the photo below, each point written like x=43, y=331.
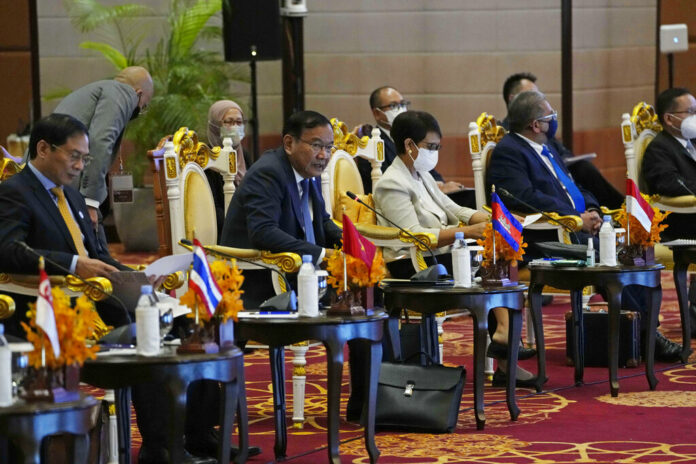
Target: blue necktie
x=566, y=181
x=306, y=217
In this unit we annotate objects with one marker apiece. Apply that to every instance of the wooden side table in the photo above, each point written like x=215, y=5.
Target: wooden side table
x=27, y=424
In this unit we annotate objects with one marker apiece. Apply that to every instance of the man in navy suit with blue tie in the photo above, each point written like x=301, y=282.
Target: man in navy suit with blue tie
x=528, y=166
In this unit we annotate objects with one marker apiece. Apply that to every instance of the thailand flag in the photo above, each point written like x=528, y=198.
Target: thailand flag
x=637, y=206
x=202, y=281
x=505, y=223
x=45, y=317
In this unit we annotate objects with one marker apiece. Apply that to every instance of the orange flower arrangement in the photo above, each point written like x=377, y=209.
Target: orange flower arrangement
x=503, y=251
x=74, y=326
x=229, y=279
x=358, y=275
x=638, y=235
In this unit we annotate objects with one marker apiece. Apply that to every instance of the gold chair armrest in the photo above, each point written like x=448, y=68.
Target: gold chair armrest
x=570, y=221
x=684, y=201
x=614, y=213
x=285, y=261
x=100, y=290
x=175, y=280
x=7, y=307
x=374, y=231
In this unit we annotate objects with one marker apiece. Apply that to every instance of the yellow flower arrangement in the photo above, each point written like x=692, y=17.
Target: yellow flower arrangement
x=358, y=275
x=504, y=251
x=229, y=279
x=74, y=326
x=638, y=235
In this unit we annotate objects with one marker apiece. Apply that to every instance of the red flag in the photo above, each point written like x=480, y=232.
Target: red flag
x=356, y=245
x=637, y=206
x=45, y=317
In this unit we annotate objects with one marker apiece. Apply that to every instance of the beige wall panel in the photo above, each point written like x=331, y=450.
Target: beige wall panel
x=461, y=73
x=613, y=27
x=546, y=66
x=625, y=67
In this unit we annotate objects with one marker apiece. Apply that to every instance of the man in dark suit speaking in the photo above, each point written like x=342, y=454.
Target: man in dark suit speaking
x=38, y=207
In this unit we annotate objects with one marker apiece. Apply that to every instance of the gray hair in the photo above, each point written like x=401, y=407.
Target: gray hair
x=525, y=108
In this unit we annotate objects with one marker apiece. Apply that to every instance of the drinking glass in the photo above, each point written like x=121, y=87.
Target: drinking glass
x=166, y=323
x=20, y=363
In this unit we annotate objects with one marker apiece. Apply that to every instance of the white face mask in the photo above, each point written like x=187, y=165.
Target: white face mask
x=391, y=114
x=426, y=161
x=236, y=133
x=688, y=127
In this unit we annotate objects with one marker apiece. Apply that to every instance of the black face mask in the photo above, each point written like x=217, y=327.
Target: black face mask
x=136, y=113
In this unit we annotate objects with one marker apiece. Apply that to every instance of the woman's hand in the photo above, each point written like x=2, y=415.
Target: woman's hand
x=474, y=230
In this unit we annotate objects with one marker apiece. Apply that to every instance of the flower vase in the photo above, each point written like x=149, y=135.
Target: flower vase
x=201, y=340
x=224, y=333
x=500, y=274
x=637, y=255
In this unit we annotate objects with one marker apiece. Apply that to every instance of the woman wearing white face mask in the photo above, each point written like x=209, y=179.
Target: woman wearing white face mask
x=225, y=118
x=409, y=196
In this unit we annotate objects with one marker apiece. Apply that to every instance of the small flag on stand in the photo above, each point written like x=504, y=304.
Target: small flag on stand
x=505, y=223
x=45, y=317
x=202, y=280
x=637, y=207
x=356, y=245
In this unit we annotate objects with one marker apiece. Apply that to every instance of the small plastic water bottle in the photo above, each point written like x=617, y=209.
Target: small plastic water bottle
x=461, y=261
x=147, y=322
x=5, y=370
x=307, y=289
x=607, y=243
x=590, y=261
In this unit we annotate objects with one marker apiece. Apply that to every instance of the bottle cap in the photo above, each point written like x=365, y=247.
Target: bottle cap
x=145, y=289
x=459, y=235
x=607, y=218
x=590, y=244
x=307, y=259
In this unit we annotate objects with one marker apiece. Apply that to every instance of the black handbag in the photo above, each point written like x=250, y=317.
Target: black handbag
x=419, y=398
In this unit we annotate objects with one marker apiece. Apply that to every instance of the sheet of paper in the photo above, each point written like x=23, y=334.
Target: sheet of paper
x=166, y=302
x=169, y=265
x=574, y=159
x=530, y=219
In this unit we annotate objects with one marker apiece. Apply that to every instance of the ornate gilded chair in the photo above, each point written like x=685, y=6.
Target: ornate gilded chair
x=9, y=165
x=7, y=307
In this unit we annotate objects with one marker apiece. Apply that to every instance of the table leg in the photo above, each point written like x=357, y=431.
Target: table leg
x=429, y=338
x=370, y=403
x=654, y=300
x=579, y=335
x=679, y=274
x=81, y=449
x=176, y=392
x=30, y=448
x=391, y=332
x=534, y=296
x=480, y=334
x=242, y=414
x=122, y=401
x=614, y=299
x=515, y=329
x=227, y=410
x=334, y=360
x=277, y=355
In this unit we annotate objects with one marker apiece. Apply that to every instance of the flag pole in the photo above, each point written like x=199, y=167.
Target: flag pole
x=345, y=265
x=628, y=220
x=43, y=346
x=492, y=229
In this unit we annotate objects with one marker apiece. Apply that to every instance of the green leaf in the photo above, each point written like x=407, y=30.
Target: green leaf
x=110, y=53
x=187, y=25
x=87, y=15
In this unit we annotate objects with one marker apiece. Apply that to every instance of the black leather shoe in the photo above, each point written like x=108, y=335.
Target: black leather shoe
x=666, y=350
x=500, y=380
x=158, y=455
x=499, y=351
x=207, y=446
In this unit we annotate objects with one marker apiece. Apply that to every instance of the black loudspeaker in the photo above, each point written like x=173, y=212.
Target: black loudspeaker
x=251, y=22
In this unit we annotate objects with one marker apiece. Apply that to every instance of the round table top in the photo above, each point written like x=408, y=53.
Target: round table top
x=168, y=355
x=321, y=319
x=595, y=269
x=22, y=408
x=406, y=286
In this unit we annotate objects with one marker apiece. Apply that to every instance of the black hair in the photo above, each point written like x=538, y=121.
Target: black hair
x=54, y=129
x=414, y=125
x=298, y=122
x=512, y=83
x=374, y=96
x=525, y=108
x=666, y=101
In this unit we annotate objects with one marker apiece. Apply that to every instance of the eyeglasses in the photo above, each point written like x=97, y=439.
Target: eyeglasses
x=689, y=111
x=234, y=122
x=318, y=146
x=549, y=117
x=75, y=156
x=395, y=105
x=433, y=146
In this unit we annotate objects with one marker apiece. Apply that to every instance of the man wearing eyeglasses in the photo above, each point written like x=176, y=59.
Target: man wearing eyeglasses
x=106, y=107
x=279, y=206
x=387, y=103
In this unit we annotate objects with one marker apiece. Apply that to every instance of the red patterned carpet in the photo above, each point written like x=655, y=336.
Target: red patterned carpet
x=563, y=424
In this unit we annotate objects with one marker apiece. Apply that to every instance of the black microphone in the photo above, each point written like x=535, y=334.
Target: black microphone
x=681, y=182
x=67, y=271
x=286, y=301
x=538, y=211
x=431, y=273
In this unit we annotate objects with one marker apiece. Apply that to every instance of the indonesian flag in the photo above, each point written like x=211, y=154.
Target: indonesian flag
x=356, y=245
x=45, y=317
x=505, y=223
x=202, y=280
x=637, y=206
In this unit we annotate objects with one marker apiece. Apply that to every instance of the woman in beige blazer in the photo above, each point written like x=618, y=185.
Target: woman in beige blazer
x=409, y=196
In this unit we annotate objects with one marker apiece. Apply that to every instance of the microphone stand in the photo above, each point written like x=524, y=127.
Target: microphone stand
x=286, y=301
x=681, y=182
x=431, y=273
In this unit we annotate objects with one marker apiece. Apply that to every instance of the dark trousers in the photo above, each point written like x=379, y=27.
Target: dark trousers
x=588, y=176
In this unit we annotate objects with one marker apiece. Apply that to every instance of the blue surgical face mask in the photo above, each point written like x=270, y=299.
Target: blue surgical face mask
x=553, y=127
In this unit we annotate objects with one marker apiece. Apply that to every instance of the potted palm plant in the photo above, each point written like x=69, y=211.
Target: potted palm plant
x=187, y=79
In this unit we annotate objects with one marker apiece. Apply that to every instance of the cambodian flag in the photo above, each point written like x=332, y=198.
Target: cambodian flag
x=202, y=280
x=637, y=206
x=505, y=223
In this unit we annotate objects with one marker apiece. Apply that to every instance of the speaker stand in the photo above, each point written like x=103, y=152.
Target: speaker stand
x=254, y=122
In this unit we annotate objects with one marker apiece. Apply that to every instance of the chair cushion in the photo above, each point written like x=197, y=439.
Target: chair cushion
x=199, y=209
x=357, y=212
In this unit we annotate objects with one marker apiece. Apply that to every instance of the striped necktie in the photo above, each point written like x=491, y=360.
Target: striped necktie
x=566, y=181
x=70, y=221
x=306, y=216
